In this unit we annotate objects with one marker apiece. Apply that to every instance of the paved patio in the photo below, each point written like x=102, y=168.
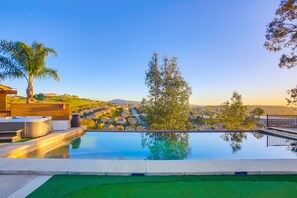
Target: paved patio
x=16, y=186
x=145, y=167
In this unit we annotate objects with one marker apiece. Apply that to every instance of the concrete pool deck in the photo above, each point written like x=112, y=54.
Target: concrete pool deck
x=28, y=166
x=15, y=186
x=281, y=132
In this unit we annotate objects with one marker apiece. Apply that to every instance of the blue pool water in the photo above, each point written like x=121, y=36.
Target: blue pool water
x=170, y=146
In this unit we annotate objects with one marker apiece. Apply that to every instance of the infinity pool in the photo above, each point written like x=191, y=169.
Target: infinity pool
x=173, y=146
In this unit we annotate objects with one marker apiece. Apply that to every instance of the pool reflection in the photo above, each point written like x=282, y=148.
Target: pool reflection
x=172, y=146
x=166, y=146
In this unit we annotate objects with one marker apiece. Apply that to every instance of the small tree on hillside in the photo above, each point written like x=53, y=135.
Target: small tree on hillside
x=234, y=114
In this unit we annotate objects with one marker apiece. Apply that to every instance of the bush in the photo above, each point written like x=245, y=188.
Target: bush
x=89, y=122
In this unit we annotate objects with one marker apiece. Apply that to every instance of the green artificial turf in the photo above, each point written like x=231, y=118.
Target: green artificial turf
x=25, y=139
x=169, y=186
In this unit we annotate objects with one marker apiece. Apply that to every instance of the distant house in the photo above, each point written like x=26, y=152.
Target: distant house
x=132, y=121
x=122, y=121
x=125, y=113
x=219, y=126
x=205, y=127
x=112, y=120
x=50, y=94
x=140, y=128
x=105, y=119
x=109, y=126
x=128, y=128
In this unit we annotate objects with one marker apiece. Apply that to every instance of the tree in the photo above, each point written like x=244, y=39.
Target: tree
x=282, y=33
x=292, y=100
x=167, y=107
x=153, y=79
x=19, y=60
x=89, y=122
x=234, y=114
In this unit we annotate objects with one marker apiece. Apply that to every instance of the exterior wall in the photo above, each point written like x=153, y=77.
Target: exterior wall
x=11, y=126
x=56, y=111
x=3, y=102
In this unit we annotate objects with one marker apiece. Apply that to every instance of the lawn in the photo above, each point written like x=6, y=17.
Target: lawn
x=169, y=186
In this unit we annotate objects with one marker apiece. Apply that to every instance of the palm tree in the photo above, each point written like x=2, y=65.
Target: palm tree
x=19, y=60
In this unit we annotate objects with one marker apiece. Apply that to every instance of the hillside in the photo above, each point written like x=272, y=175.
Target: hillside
x=121, y=101
x=268, y=109
x=75, y=103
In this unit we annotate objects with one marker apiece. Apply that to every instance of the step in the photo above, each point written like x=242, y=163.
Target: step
x=11, y=132
x=7, y=135
x=10, y=139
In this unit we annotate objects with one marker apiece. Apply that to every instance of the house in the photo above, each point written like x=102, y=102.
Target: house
x=125, y=113
x=218, y=127
x=122, y=121
x=105, y=119
x=4, y=91
x=132, y=121
x=109, y=126
x=49, y=94
x=129, y=128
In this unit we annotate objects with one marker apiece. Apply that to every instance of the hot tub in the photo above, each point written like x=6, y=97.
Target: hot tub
x=32, y=126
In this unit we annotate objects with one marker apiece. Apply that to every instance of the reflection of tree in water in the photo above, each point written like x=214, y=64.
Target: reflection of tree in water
x=76, y=143
x=235, y=140
x=258, y=135
x=166, y=146
x=293, y=147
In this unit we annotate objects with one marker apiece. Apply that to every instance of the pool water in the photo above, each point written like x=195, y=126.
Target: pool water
x=173, y=146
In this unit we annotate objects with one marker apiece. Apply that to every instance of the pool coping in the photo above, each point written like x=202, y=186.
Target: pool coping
x=53, y=139
x=30, y=166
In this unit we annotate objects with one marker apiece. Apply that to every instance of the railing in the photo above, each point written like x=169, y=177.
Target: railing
x=277, y=141
x=286, y=121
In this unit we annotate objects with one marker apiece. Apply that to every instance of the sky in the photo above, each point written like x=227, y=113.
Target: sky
x=104, y=46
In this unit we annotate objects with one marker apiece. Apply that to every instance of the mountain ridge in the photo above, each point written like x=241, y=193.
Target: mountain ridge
x=122, y=101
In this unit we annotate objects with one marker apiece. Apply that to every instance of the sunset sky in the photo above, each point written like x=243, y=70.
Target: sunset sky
x=104, y=46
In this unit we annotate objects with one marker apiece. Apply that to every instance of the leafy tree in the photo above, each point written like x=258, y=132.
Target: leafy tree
x=153, y=79
x=19, y=60
x=167, y=107
x=282, y=33
x=234, y=114
x=89, y=122
x=292, y=100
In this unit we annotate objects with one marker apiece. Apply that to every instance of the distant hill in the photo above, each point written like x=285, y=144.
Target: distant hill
x=268, y=109
x=121, y=101
x=75, y=102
